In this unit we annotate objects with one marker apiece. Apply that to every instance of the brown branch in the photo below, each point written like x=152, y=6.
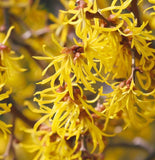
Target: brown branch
x=19, y=21
x=17, y=40
x=20, y=115
x=37, y=33
x=6, y=19
x=29, y=32
x=90, y=15
x=83, y=149
x=133, y=69
x=133, y=65
x=16, y=112
x=135, y=10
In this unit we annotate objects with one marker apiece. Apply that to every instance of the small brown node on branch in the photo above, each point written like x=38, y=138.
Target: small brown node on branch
x=75, y=50
x=76, y=94
x=112, y=18
x=80, y=4
x=4, y=47
x=122, y=84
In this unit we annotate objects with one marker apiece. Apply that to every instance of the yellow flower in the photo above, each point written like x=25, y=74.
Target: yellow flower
x=103, y=49
x=132, y=103
x=69, y=117
x=4, y=108
x=72, y=65
x=7, y=66
x=63, y=103
x=116, y=10
x=48, y=145
x=140, y=39
x=7, y=56
x=77, y=15
x=38, y=14
x=86, y=125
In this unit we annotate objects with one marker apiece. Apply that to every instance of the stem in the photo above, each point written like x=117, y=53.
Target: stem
x=18, y=40
x=133, y=65
x=133, y=68
x=98, y=15
x=135, y=10
x=39, y=32
x=19, y=21
x=6, y=18
x=15, y=111
x=83, y=149
x=20, y=115
x=85, y=152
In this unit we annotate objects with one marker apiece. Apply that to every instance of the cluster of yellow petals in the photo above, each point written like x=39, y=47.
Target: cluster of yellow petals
x=69, y=117
x=4, y=107
x=105, y=48
x=48, y=145
x=74, y=61
x=129, y=103
x=7, y=59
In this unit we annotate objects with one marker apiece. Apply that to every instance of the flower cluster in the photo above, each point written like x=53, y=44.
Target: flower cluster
x=4, y=53
x=110, y=47
x=95, y=45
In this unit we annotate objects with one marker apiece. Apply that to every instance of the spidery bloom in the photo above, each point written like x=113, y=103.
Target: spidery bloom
x=7, y=60
x=133, y=104
x=140, y=39
x=78, y=15
x=48, y=145
x=104, y=48
x=72, y=65
x=69, y=117
x=4, y=108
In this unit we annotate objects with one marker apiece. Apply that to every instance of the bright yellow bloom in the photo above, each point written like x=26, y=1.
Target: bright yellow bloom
x=116, y=10
x=139, y=39
x=7, y=65
x=72, y=65
x=4, y=108
x=105, y=48
x=69, y=117
x=78, y=15
x=137, y=36
x=49, y=146
x=132, y=103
